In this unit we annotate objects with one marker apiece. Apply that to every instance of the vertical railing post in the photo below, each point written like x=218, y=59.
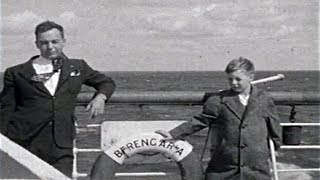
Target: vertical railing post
x=74, y=164
x=273, y=160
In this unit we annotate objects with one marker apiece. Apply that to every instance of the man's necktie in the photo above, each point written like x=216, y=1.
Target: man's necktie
x=57, y=64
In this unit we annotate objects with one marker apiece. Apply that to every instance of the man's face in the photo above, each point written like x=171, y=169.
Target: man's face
x=240, y=81
x=50, y=44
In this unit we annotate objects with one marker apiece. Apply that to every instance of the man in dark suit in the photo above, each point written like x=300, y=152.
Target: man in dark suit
x=39, y=96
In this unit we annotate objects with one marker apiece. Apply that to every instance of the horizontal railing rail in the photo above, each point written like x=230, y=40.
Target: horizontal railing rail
x=195, y=97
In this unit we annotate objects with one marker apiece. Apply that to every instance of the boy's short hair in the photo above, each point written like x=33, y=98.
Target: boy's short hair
x=47, y=26
x=240, y=63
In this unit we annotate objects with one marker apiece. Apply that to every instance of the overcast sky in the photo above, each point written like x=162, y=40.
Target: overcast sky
x=169, y=35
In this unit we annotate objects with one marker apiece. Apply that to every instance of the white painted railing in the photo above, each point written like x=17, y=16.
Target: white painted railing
x=300, y=147
x=36, y=165
x=273, y=157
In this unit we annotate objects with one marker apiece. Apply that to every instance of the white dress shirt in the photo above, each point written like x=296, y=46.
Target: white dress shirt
x=244, y=99
x=42, y=65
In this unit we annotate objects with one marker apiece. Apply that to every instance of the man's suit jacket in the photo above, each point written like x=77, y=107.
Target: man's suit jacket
x=27, y=106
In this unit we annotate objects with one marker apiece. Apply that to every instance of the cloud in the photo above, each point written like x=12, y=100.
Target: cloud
x=167, y=21
x=200, y=19
x=20, y=23
x=68, y=16
x=200, y=11
x=25, y=22
x=69, y=19
x=179, y=19
x=285, y=30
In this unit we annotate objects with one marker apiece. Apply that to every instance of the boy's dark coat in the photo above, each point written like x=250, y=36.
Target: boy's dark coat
x=240, y=134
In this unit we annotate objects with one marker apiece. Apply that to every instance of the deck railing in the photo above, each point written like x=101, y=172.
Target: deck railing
x=197, y=98
x=194, y=97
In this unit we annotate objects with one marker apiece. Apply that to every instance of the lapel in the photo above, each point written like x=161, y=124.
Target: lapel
x=253, y=101
x=28, y=72
x=66, y=69
x=232, y=102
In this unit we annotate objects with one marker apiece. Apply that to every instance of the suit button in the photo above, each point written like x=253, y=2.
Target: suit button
x=50, y=123
x=242, y=146
x=53, y=97
x=243, y=126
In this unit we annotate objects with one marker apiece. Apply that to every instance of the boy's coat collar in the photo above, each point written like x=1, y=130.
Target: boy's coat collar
x=231, y=100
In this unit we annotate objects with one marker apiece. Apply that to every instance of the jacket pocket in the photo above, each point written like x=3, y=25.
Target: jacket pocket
x=74, y=84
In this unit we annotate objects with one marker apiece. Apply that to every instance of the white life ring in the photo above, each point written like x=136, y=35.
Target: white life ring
x=180, y=151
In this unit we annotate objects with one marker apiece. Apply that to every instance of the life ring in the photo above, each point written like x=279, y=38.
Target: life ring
x=181, y=152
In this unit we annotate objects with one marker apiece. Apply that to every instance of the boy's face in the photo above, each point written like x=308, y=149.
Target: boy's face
x=240, y=81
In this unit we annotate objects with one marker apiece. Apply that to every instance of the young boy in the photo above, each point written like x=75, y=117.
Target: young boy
x=241, y=119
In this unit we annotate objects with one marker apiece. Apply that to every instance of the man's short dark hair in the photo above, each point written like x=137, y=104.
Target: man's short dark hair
x=240, y=63
x=47, y=26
